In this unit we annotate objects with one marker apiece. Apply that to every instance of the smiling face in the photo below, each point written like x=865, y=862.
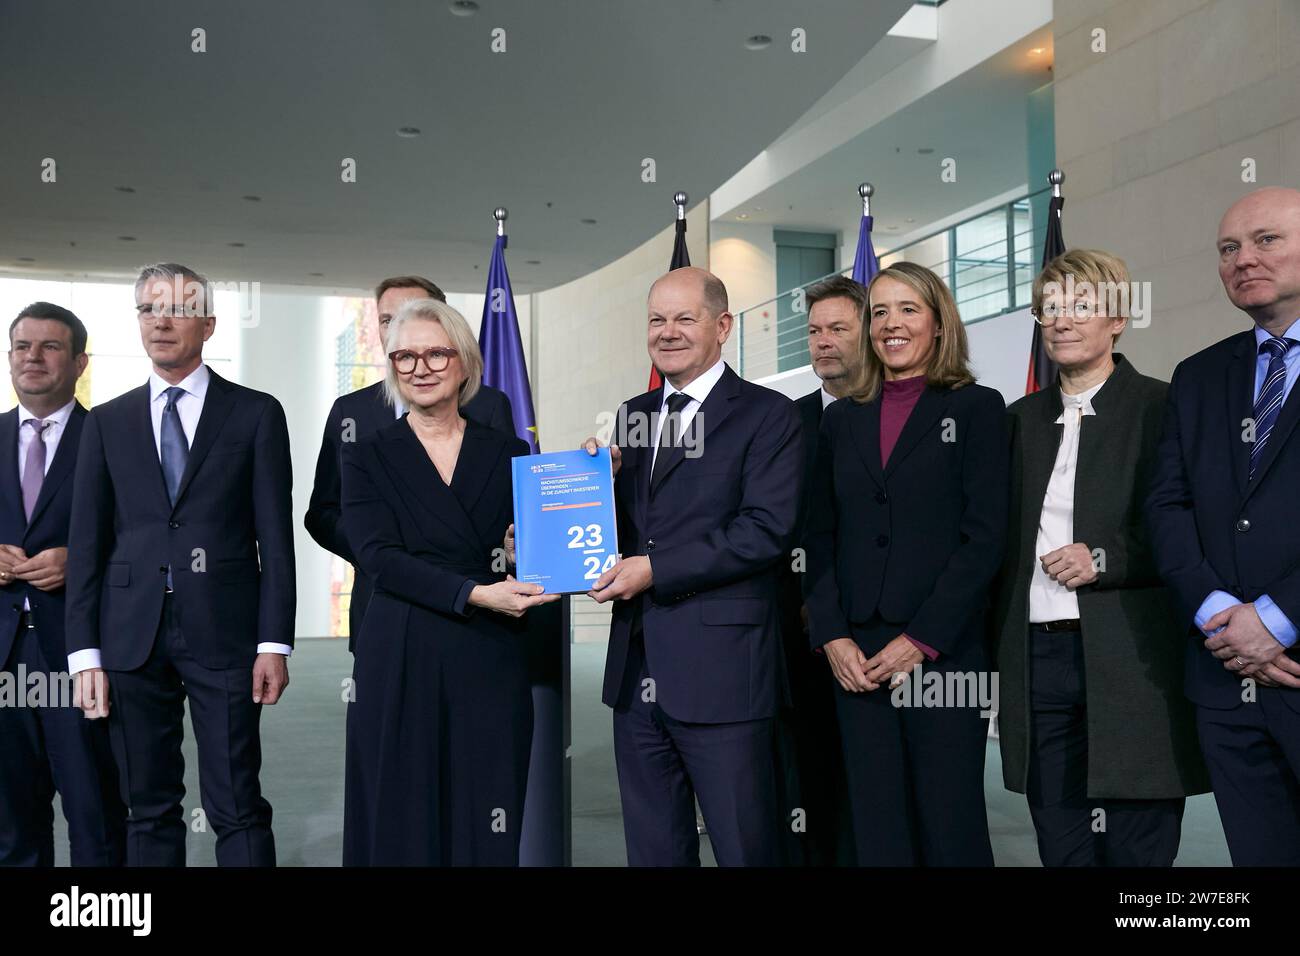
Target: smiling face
x=174, y=324
x=1081, y=335
x=41, y=363
x=834, y=331
x=421, y=388
x=684, y=337
x=1259, y=255
x=904, y=330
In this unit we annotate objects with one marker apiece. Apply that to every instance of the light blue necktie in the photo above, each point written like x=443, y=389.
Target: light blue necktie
x=175, y=449
x=1269, y=404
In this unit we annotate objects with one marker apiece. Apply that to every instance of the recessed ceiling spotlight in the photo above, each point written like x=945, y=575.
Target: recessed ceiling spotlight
x=925, y=150
x=26, y=259
x=127, y=238
x=588, y=222
x=235, y=245
x=742, y=215
x=909, y=219
x=251, y=198
x=759, y=41
x=463, y=8
x=408, y=132
x=532, y=262
x=1038, y=51
x=318, y=275
x=125, y=189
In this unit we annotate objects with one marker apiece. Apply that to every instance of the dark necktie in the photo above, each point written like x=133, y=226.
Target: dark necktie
x=34, y=467
x=175, y=449
x=1269, y=404
x=670, y=435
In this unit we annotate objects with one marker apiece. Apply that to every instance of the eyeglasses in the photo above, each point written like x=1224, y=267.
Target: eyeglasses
x=149, y=313
x=435, y=360
x=1082, y=311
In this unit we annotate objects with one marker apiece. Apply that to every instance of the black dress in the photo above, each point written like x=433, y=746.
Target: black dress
x=440, y=723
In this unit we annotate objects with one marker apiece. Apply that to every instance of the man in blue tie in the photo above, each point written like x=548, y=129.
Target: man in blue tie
x=45, y=744
x=1222, y=510
x=181, y=580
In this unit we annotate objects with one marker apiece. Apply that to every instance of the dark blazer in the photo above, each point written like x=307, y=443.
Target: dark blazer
x=228, y=539
x=715, y=528
x=917, y=543
x=47, y=529
x=1212, y=528
x=1132, y=637
x=367, y=412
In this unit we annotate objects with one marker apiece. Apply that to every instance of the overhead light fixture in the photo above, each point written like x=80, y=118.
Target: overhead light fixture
x=742, y=215
x=759, y=41
x=532, y=262
x=235, y=245
x=127, y=238
x=251, y=198
x=588, y=222
x=408, y=132
x=463, y=8
x=317, y=275
x=125, y=189
x=25, y=259
x=925, y=150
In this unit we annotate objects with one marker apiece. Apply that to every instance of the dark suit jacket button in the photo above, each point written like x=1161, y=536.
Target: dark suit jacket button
x=173, y=524
x=880, y=498
x=1243, y=525
x=163, y=569
x=882, y=540
x=650, y=545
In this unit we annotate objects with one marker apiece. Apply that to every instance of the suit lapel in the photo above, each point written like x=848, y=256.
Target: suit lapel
x=217, y=404
x=928, y=408
x=141, y=436
x=1040, y=443
x=11, y=482
x=864, y=425
x=1282, y=428
x=64, y=459
x=708, y=418
x=1239, y=394
x=479, y=451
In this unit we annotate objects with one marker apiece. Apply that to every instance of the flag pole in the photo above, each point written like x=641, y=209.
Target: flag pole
x=866, y=191
x=501, y=214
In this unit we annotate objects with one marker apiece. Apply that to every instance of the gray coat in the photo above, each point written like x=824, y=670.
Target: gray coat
x=1142, y=740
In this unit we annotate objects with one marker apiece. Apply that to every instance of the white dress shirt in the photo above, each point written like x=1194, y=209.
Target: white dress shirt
x=697, y=391
x=1048, y=599
x=56, y=423
x=827, y=398
x=190, y=408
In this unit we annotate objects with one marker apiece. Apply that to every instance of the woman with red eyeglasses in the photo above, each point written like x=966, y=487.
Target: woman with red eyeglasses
x=440, y=718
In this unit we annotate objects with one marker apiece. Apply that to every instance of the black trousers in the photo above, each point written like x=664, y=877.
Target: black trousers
x=146, y=720
x=665, y=764
x=1074, y=829
x=1253, y=755
x=50, y=748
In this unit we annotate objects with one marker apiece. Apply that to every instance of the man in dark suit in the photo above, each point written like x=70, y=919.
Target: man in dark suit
x=707, y=492
x=362, y=413
x=810, y=760
x=1222, y=512
x=46, y=745
x=181, y=580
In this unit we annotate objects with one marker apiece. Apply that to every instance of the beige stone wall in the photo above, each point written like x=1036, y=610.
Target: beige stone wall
x=1152, y=134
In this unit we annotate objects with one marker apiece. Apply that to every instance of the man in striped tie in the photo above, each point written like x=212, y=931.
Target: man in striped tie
x=1223, y=510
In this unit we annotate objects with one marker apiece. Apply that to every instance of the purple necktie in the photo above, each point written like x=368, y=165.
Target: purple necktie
x=34, y=467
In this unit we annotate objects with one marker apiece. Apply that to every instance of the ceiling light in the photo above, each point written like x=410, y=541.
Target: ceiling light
x=235, y=245
x=1038, y=51
x=925, y=150
x=532, y=262
x=127, y=238
x=742, y=215
x=408, y=132
x=318, y=275
x=252, y=198
x=759, y=41
x=125, y=189
x=25, y=259
x=588, y=222
x=463, y=8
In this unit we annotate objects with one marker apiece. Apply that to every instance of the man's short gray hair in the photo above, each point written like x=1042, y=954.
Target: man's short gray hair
x=190, y=290
x=457, y=329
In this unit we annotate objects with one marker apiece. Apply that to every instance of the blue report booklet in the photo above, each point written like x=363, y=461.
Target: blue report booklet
x=566, y=533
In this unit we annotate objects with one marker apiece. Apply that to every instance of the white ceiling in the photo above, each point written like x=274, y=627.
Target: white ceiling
x=978, y=119
x=555, y=129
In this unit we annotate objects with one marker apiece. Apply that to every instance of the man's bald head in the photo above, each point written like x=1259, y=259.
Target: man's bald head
x=688, y=323
x=712, y=292
x=1259, y=256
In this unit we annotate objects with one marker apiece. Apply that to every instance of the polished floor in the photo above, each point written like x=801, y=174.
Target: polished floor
x=302, y=776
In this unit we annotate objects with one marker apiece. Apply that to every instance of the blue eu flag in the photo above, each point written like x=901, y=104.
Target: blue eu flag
x=503, y=349
x=865, y=263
